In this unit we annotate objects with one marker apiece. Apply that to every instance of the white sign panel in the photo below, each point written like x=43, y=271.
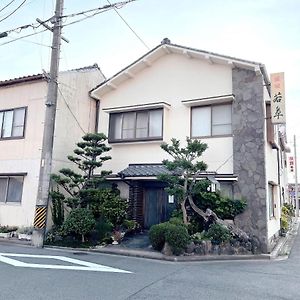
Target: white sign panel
x=277, y=98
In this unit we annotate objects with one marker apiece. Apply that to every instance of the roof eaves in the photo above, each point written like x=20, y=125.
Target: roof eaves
x=22, y=79
x=258, y=66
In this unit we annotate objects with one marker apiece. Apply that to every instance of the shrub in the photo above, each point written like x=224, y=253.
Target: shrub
x=199, y=236
x=7, y=229
x=218, y=233
x=177, y=237
x=108, y=204
x=103, y=229
x=290, y=210
x=284, y=223
x=157, y=235
x=80, y=221
x=57, y=209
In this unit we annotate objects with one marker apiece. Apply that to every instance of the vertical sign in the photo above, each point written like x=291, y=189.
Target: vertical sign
x=291, y=163
x=277, y=98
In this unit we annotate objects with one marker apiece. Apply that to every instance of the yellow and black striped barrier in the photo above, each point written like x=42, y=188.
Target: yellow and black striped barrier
x=40, y=217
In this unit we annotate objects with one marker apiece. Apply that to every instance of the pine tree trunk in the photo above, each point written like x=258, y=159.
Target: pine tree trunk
x=183, y=208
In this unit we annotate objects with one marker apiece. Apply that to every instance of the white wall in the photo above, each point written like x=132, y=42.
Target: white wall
x=170, y=79
x=23, y=155
x=76, y=113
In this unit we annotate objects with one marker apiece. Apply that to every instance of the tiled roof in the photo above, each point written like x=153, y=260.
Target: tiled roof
x=22, y=79
x=144, y=170
x=42, y=76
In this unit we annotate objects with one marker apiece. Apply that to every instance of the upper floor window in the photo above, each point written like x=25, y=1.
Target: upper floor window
x=11, y=188
x=136, y=125
x=12, y=123
x=213, y=120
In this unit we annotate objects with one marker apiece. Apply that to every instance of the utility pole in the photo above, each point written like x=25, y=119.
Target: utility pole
x=296, y=178
x=49, y=126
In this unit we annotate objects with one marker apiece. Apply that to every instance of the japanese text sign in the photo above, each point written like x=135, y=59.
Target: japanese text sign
x=277, y=98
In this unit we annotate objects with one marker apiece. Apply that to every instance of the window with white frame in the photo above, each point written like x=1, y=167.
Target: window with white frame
x=213, y=120
x=12, y=123
x=271, y=201
x=11, y=188
x=136, y=125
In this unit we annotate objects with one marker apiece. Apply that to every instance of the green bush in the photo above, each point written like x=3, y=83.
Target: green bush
x=290, y=210
x=157, y=235
x=177, y=237
x=79, y=221
x=284, y=223
x=218, y=234
x=103, y=229
x=108, y=204
x=7, y=229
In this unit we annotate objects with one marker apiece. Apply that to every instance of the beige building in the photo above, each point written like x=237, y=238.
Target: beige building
x=22, y=113
x=177, y=91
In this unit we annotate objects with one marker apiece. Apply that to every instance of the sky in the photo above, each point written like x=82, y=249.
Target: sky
x=265, y=31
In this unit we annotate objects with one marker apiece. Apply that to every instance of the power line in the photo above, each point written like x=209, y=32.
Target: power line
x=14, y=11
x=69, y=108
x=224, y=162
x=22, y=37
x=139, y=38
x=87, y=17
x=110, y=6
x=7, y=5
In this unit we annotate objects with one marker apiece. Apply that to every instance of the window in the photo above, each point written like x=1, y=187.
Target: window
x=271, y=201
x=11, y=189
x=137, y=125
x=12, y=123
x=214, y=120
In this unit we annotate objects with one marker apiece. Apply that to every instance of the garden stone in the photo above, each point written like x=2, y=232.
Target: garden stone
x=167, y=250
x=190, y=247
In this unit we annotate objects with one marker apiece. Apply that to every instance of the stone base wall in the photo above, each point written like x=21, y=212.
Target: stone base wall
x=249, y=153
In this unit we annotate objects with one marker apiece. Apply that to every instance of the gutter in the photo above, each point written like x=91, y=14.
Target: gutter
x=97, y=101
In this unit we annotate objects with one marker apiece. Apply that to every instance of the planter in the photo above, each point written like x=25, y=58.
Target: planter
x=24, y=236
x=5, y=235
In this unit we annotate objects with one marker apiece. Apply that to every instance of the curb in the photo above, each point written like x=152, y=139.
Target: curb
x=284, y=245
x=159, y=256
x=281, y=250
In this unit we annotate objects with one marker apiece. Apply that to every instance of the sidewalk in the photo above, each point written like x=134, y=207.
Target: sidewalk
x=282, y=250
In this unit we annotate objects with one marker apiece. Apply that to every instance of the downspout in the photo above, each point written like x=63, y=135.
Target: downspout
x=97, y=101
x=97, y=115
x=278, y=175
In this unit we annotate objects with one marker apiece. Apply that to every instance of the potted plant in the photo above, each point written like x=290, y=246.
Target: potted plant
x=25, y=233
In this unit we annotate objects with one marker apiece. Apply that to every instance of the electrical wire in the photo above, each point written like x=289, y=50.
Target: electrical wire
x=7, y=5
x=22, y=37
x=111, y=6
x=87, y=17
x=13, y=11
x=224, y=163
x=68, y=106
x=133, y=31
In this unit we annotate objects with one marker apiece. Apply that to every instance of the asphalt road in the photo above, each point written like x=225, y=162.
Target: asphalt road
x=149, y=279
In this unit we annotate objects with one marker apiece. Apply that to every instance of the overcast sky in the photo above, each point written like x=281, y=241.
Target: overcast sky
x=266, y=31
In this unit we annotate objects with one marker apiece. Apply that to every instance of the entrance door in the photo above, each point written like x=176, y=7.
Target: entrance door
x=156, y=206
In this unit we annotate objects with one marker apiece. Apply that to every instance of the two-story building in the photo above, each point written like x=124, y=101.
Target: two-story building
x=22, y=114
x=177, y=91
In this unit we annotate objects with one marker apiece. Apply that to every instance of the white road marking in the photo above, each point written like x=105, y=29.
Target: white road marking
x=83, y=265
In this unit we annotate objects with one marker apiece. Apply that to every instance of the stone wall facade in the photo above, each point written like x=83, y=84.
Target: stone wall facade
x=249, y=153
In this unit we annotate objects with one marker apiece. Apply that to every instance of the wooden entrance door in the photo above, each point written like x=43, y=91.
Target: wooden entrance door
x=156, y=206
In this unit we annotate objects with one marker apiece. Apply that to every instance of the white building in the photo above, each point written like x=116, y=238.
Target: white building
x=22, y=113
x=177, y=91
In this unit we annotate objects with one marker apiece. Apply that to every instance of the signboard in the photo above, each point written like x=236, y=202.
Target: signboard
x=277, y=98
x=291, y=164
